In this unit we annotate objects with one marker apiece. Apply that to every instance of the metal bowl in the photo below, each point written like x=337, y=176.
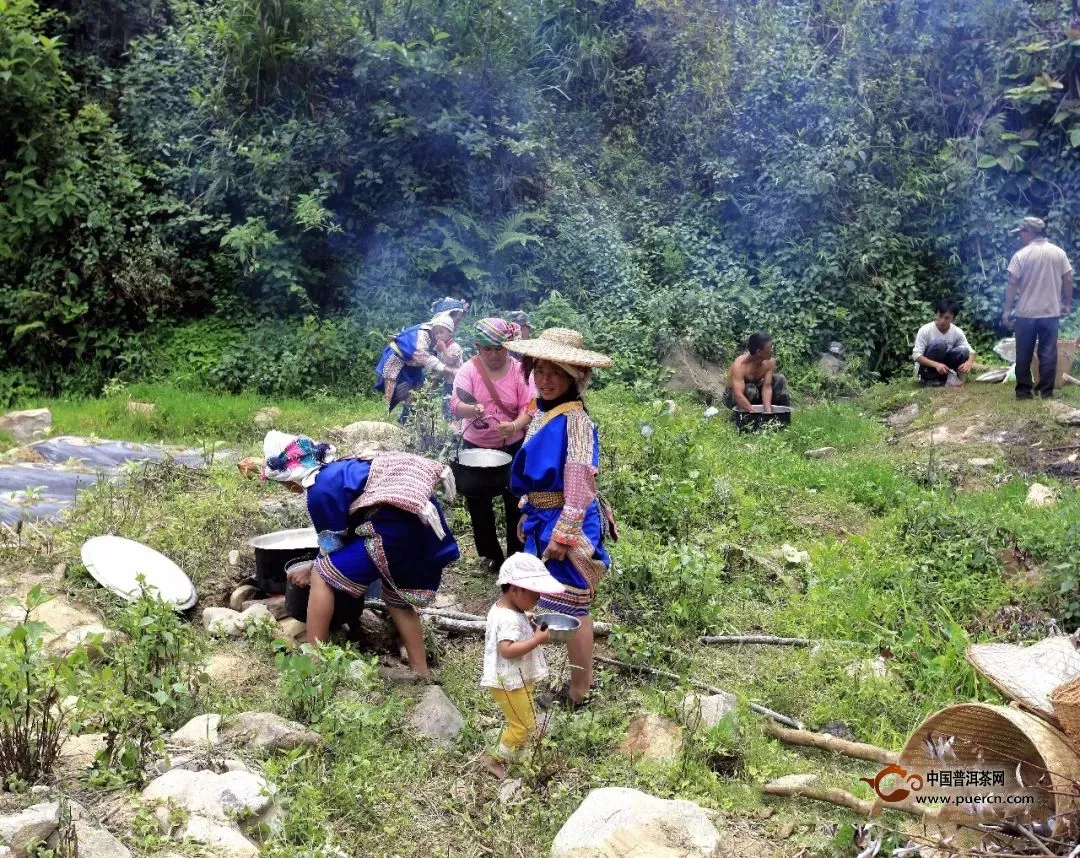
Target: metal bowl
x=561, y=626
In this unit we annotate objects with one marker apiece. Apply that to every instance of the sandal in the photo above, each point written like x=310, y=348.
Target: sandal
x=561, y=697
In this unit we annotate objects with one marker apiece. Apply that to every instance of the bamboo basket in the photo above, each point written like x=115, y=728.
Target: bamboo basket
x=1037, y=760
x=1066, y=701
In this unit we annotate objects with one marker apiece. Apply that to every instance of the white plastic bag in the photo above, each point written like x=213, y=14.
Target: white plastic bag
x=1006, y=349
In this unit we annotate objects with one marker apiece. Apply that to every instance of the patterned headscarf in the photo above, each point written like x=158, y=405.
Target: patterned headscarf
x=294, y=458
x=445, y=305
x=443, y=320
x=493, y=332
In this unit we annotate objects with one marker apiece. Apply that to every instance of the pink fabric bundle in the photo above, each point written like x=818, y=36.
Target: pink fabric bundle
x=407, y=481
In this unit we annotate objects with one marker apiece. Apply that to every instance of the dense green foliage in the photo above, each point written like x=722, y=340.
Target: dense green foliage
x=672, y=169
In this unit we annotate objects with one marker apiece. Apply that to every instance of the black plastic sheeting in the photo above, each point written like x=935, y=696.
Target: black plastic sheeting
x=43, y=490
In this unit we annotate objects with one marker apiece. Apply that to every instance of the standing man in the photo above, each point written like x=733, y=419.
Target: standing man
x=940, y=346
x=753, y=379
x=1040, y=290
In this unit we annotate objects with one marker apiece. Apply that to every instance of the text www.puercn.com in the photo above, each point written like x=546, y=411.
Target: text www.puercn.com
x=960, y=800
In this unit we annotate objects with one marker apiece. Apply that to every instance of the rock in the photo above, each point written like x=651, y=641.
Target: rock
x=1064, y=413
x=691, y=374
x=275, y=605
x=820, y=453
x=786, y=830
x=143, y=408
x=222, y=621
x=981, y=463
x=509, y=790
x=705, y=711
x=793, y=556
x=97, y=639
x=903, y=417
x=437, y=718
x=60, y=617
x=266, y=418
x=255, y=616
x=243, y=593
x=871, y=668
x=26, y=426
x=268, y=732
x=711, y=411
x=367, y=435
x=19, y=831
x=40, y=789
x=81, y=750
x=447, y=601
x=96, y=842
x=652, y=738
x=201, y=731
x=615, y=822
x=840, y=729
x=292, y=630
x=1039, y=495
x=796, y=781
x=671, y=408
x=378, y=631
x=395, y=674
x=214, y=804
x=234, y=557
x=832, y=365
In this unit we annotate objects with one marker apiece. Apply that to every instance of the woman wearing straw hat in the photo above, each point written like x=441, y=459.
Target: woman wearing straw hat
x=492, y=398
x=554, y=472
x=410, y=353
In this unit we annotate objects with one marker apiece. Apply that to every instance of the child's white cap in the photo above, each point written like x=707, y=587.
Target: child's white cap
x=528, y=573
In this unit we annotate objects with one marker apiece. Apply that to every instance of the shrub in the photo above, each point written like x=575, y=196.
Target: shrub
x=32, y=685
x=150, y=684
x=309, y=678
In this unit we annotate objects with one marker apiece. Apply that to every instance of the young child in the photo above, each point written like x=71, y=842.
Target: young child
x=513, y=660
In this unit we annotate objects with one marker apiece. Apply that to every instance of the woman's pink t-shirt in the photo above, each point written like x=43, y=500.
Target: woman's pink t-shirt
x=512, y=389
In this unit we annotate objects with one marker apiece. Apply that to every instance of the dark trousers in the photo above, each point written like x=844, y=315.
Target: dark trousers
x=1028, y=333
x=952, y=358
x=482, y=514
x=752, y=389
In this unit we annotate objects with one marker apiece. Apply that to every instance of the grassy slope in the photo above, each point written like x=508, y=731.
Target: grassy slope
x=904, y=542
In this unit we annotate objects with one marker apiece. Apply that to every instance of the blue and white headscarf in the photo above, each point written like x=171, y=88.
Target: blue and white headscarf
x=294, y=458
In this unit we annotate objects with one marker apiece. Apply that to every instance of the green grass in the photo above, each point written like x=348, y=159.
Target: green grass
x=185, y=417
x=905, y=563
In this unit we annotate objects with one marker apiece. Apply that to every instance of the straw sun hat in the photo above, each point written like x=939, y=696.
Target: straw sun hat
x=561, y=345
x=1028, y=674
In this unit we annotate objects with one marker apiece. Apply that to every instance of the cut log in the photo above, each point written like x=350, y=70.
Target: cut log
x=808, y=739
x=843, y=798
x=765, y=640
x=712, y=689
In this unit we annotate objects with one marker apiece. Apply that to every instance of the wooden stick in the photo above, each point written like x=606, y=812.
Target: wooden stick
x=766, y=640
x=858, y=750
x=712, y=689
x=827, y=794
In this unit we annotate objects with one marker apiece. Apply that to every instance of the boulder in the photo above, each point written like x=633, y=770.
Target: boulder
x=57, y=614
x=97, y=639
x=1039, y=495
x=266, y=418
x=96, y=842
x=981, y=463
x=394, y=674
x=26, y=426
x=215, y=805
x=267, y=732
x=903, y=417
x=222, y=621
x=275, y=606
x=234, y=558
x=378, y=632
x=367, y=435
x=243, y=593
x=615, y=822
x=652, y=737
x=691, y=374
x=292, y=630
x=820, y=453
x=437, y=718
x=831, y=364
x=81, y=750
x=19, y=831
x=705, y=711
x=200, y=732
x=254, y=616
